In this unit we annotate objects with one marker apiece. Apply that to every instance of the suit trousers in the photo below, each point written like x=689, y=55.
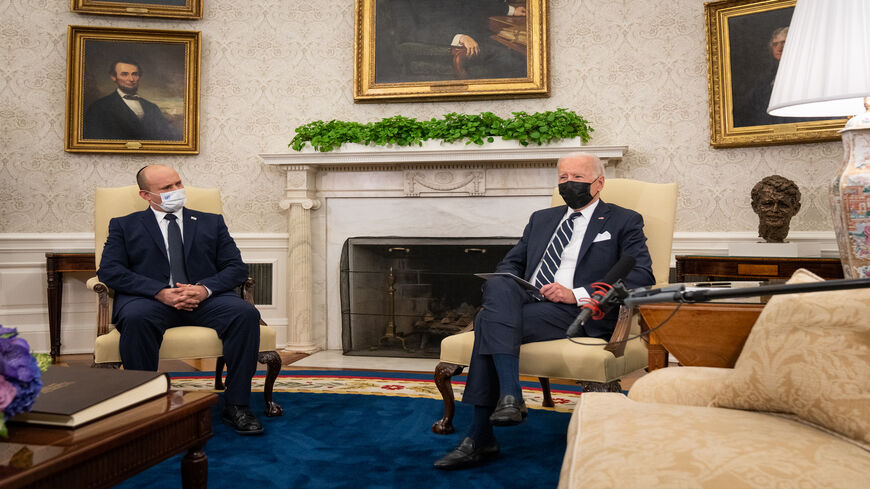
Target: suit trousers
x=509, y=317
x=143, y=321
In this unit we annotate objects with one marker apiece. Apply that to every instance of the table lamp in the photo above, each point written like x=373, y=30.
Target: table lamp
x=825, y=71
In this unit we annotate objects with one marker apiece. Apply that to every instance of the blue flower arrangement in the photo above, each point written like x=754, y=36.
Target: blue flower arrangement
x=20, y=375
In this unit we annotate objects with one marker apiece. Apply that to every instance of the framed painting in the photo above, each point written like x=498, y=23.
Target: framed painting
x=417, y=50
x=166, y=9
x=745, y=39
x=132, y=91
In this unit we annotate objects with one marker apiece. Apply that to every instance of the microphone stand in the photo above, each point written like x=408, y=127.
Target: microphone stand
x=678, y=292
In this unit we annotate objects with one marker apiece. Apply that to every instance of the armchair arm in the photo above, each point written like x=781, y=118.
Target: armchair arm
x=616, y=345
x=248, y=294
x=688, y=386
x=104, y=311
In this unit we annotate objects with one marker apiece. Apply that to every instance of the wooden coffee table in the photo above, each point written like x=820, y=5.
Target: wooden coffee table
x=107, y=451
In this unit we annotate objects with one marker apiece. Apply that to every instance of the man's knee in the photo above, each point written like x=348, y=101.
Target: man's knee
x=142, y=312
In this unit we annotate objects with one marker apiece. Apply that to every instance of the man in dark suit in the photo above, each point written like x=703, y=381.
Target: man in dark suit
x=172, y=266
x=563, y=259
x=123, y=114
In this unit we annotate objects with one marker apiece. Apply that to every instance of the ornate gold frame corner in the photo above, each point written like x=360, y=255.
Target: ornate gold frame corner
x=723, y=132
x=535, y=84
x=79, y=37
x=191, y=10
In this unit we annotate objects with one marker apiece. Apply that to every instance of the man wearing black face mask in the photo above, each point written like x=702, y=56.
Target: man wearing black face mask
x=563, y=250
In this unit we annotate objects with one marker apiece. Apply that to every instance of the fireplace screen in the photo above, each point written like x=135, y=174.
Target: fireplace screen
x=402, y=296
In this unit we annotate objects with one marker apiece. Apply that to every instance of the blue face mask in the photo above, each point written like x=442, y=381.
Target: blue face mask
x=171, y=201
x=576, y=194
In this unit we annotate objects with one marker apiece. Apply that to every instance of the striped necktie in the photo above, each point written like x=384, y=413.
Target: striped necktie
x=176, y=251
x=553, y=255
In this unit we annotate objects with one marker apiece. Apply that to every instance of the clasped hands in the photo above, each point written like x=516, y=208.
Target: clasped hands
x=184, y=297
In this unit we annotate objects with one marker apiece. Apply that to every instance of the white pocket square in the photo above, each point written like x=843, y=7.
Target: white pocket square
x=602, y=237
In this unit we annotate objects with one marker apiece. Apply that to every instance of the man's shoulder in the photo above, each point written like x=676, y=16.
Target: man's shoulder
x=105, y=100
x=617, y=211
x=206, y=216
x=133, y=215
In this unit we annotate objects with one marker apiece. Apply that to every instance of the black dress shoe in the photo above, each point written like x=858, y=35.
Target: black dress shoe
x=509, y=412
x=242, y=420
x=467, y=454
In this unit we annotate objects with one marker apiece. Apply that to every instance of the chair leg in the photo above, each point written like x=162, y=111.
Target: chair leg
x=443, y=372
x=612, y=386
x=219, y=374
x=273, y=367
x=545, y=389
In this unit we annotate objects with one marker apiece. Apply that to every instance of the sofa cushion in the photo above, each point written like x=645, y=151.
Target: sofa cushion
x=616, y=442
x=808, y=354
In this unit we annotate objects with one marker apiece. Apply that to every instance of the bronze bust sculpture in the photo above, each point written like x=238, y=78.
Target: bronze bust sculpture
x=776, y=200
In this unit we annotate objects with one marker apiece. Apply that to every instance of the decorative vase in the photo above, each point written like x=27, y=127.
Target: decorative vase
x=850, y=198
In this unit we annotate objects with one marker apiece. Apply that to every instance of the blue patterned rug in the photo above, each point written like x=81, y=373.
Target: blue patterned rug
x=367, y=441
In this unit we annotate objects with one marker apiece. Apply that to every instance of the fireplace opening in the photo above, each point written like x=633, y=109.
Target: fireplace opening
x=401, y=296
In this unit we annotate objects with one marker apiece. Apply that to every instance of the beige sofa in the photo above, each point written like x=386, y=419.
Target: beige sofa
x=794, y=412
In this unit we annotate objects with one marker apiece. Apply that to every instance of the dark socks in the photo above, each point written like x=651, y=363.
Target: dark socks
x=481, y=429
x=508, y=369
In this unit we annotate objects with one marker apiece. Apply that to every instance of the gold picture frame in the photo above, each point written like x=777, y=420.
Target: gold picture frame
x=157, y=71
x=164, y=9
x=744, y=38
x=404, y=52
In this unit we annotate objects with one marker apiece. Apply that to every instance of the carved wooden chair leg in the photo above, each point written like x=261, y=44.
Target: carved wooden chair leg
x=545, y=389
x=612, y=386
x=273, y=367
x=219, y=374
x=443, y=372
x=115, y=365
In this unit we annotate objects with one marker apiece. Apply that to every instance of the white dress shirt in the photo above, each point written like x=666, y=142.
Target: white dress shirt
x=565, y=274
x=135, y=105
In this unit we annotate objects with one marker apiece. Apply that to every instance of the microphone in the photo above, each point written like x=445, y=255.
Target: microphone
x=608, y=291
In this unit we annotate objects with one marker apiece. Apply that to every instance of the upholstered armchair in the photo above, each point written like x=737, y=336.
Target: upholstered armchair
x=793, y=412
x=183, y=342
x=597, y=365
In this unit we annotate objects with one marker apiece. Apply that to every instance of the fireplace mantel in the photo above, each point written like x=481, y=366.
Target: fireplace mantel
x=498, y=153
x=447, y=190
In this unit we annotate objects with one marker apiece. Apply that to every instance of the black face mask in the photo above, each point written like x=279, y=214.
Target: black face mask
x=576, y=194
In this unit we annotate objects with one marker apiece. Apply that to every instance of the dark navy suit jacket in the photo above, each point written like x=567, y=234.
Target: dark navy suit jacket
x=595, y=257
x=134, y=261
x=111, y=118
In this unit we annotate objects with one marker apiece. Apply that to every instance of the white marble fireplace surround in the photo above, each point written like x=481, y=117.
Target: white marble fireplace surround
x=438, y=190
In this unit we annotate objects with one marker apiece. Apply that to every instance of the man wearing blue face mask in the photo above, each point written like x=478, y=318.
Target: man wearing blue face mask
x=563, y=251
x=172, y=266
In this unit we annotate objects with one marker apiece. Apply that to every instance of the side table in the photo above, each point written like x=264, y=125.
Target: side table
x=709, y=334
x=753, y=267
x=55, y=266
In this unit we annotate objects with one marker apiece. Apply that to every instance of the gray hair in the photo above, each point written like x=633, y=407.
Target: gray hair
x=599, y=165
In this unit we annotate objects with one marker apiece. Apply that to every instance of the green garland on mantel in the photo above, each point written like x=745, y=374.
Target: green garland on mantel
x=539, y=128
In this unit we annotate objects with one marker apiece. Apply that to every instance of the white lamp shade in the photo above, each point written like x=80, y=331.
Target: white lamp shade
x=825, y=66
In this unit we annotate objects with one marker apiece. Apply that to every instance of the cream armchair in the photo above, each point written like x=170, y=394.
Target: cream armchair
x=183, y=342
x=596, y=367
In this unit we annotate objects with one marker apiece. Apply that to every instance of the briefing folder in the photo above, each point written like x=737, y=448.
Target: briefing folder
x=523, y=283
x=73, y=396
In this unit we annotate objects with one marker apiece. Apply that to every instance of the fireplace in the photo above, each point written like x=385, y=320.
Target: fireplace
x=440, y=190
x=401, y=296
